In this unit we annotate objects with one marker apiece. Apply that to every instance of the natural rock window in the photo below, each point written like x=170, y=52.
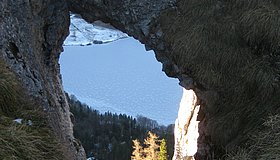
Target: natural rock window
x=120, y=76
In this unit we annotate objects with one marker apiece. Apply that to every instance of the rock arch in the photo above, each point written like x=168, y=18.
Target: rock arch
x=228, y=52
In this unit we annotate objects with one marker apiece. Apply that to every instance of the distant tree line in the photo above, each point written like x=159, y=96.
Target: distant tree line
x=109, y=136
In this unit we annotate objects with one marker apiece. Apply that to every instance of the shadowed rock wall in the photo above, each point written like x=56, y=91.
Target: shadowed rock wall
x=31, y=38
x=227, y=51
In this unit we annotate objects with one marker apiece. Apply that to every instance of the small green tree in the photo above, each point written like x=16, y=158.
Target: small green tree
x=162, y=150
x=137, y=153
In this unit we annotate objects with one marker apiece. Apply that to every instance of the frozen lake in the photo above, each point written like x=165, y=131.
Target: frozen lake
x=120, y=77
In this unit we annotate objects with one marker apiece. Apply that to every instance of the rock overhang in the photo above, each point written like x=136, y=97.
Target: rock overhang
x=232, y=91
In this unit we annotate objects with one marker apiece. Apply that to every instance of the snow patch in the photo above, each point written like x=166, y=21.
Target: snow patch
x=21, y=121
x=83, y=33
x=18, y=120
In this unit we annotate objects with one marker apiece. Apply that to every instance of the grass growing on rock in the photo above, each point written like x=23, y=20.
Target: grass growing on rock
x=8, y=91
x=263, y=145
x=230, y=47
x=31, y=139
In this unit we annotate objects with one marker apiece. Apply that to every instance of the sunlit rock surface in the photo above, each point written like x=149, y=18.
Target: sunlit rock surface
x=186, y=127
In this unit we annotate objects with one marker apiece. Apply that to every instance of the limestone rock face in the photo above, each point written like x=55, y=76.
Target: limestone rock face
x=186, y=127
x=226, y=51
x=32, y=33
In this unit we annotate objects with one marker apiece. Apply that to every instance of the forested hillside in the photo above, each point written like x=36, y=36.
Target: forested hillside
x=109, y=136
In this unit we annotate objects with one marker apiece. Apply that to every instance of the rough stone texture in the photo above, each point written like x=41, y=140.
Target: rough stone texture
x=137, y=18
x=31, y=37
x=227, y=51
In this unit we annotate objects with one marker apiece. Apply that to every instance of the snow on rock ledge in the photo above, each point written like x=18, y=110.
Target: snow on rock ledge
x=84, y=33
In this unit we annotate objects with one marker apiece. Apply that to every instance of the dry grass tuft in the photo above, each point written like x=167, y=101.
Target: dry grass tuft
x=19, y=141
x=231, y=47
x=240, y=154
x=23, y=141
x=263, y=145
x=266, y=144
x=8, y=90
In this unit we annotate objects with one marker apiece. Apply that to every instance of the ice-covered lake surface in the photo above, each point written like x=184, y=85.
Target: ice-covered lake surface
x=120, y=77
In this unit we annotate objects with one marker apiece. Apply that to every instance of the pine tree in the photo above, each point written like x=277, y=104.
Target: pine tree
x=152, y=149
x=162, y=150
x=137, y=153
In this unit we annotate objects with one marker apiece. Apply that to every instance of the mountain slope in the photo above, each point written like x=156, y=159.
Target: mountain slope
x=84, y=33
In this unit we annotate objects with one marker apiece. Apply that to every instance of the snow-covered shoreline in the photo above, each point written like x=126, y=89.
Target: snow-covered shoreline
x=83, y=33
x=120, y=77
